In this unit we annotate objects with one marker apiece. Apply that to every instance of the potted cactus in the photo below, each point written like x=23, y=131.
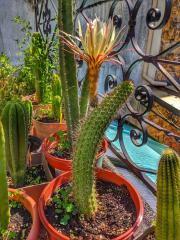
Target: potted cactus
x=49, y=121
x=167, y=224
x=15, y=198
x=16, y=120
x=83, y=196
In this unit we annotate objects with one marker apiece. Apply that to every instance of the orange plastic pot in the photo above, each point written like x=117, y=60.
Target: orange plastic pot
x=44, y=130
x=61, y=163
x=102, y=175
x=31, y=206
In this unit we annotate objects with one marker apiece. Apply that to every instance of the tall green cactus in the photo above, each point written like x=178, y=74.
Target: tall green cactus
x=36, y=46
x=68, y=68
x=168, y=197
x=87, y=145
x=15, y=120
x=57, y=98
x=4, y=203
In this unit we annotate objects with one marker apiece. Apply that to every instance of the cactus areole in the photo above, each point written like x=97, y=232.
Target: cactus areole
x=168, y=197
x=88, y=143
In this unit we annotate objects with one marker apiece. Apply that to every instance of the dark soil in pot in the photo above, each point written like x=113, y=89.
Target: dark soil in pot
x=47, y=119
x=34, y=175
x=116, y=214
x=66, y=154
x=20, y=222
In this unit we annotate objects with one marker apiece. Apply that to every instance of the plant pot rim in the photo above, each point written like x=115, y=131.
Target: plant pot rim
x=64, y=164
x=31, y=207
x=103, y=175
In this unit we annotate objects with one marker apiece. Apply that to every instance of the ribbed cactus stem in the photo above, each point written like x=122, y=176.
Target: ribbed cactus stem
x=4, y=203
x=168, y=197
x=88, y=143
x=68, y=68
x=15, y=121
x=29, y=108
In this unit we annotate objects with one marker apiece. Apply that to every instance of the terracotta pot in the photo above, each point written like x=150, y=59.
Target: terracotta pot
x=103, y=175
x=35, y=191
x=44, y=130
x=31, y=206
x=61, y=163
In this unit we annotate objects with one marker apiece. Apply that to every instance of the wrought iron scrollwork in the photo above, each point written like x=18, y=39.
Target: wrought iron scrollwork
x=155, y=19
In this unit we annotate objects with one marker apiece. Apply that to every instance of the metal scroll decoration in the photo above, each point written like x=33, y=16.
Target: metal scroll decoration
x=155, y=19
x=45, y=19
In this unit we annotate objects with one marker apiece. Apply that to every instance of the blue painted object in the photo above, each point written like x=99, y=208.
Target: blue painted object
x=146, y=156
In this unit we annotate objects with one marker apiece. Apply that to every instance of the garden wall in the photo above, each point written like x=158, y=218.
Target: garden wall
x=8, y=30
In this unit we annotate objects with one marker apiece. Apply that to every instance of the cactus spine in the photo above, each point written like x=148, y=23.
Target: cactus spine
x=57, y=98
x=15, y=121
x=87, y=145
x=168, y=197
x=4, y=206
x=68, y=68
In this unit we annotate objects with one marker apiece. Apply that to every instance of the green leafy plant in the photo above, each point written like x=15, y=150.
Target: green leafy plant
x=16, y=120
x=64, y=144
x=64, y=204
x=168, y=197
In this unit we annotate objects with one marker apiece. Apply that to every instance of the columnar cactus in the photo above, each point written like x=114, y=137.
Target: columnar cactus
x=4, y=206
x=15, y=120
x=87, y=145
x=68, y=68
x=168, y=197
x=36, y=46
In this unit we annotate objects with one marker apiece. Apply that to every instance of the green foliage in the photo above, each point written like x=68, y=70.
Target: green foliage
x=15, y=121
x=168, y=197
x=8, y=82
x=4, y=205
x=64, y=204
x=87, y=146
x=64, y=144
x=41, y=67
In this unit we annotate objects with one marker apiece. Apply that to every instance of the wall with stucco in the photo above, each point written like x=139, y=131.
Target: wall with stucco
x=10, y=31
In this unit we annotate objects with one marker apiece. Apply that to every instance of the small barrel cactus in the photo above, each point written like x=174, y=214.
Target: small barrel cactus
x=15, y=120
x=88, y=143
x=4, y=206
x=57, y=108
x=57, y=98
x=168, y=197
